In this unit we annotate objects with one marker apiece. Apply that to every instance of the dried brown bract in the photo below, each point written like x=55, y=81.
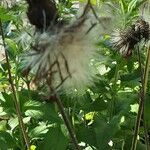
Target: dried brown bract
x=42, y=13
x=125, y=40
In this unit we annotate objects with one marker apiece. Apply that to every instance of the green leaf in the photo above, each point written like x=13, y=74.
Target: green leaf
x=6, y=141
x=33, y=109
x=105, y=131
x=6, y=15
x=13, y=123
x=39, y=131
x=12, y=47
x=7, y=103
x=86, y=135
x=39, y=110
x=132, y=5
x=3, y=144
x=3, y=124
x=132, y=76
x=54, y=140
x=97, y=105
x=34, y=113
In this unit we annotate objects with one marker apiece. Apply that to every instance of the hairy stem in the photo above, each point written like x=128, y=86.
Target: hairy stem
x=144, y=80
x=15, y=98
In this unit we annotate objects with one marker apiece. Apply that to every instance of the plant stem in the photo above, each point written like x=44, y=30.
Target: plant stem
x=15, y=98
x=114, y=89
x=144, y=80
x=67, y=122
x=137, y=125
x=146, y=74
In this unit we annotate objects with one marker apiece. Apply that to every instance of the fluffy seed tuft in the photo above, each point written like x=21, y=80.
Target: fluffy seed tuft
x=62, y=56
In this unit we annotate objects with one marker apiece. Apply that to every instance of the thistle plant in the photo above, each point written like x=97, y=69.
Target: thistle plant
x=61, y=56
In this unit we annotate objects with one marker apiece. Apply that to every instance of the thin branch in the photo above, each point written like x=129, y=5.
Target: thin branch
x=86, y=9
x=56, y=98
x=66, y=64
x=15, y=98
x=67, y=122
x=92, y=26
x=59, y=70
x=63, y=80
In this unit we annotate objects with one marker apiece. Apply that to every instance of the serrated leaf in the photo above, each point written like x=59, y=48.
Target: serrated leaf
x=13, y=123
x=32, y=109
x=39, y=131
x=34, y=113
x=39, y=110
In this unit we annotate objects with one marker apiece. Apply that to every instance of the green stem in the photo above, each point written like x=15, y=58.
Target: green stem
x=146, y=74
x=144, y=81
x=114, y=88
x=15, y=98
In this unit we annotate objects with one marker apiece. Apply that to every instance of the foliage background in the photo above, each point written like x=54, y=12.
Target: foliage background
x=103, y=116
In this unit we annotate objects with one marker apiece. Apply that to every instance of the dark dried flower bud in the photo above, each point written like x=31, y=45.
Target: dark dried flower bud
x=126, y=40
x=42, y=13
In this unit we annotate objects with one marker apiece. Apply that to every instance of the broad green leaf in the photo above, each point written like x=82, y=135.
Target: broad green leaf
x=54, y=140
x=105, y=131
x=6, y=141
x=97, y=105
x=86, y=135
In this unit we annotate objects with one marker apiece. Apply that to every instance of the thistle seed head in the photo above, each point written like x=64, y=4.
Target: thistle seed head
x=125, y=40
x=61, y=57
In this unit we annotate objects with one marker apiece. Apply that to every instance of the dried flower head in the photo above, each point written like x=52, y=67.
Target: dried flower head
x=61, y=56
x=125, y=40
